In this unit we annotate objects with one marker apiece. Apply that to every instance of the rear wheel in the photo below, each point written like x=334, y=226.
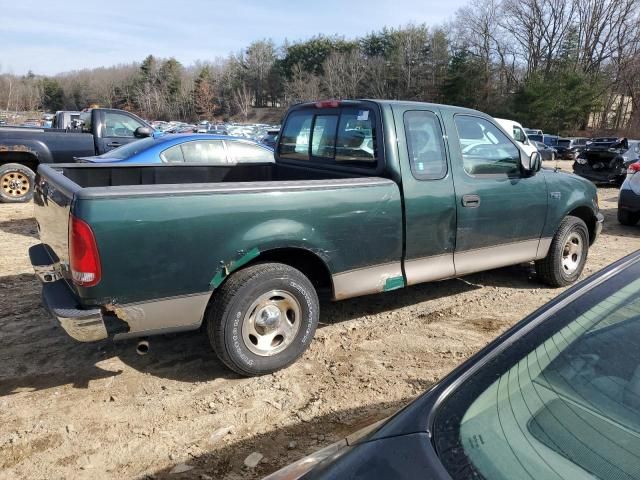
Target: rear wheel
x=625, y=217
x=567, y=255
x=263, y=318
x=16, y=183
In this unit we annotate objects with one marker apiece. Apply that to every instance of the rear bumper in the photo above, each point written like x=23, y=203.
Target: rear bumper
x=604, y=175
x=80, y=324
x=84, y=325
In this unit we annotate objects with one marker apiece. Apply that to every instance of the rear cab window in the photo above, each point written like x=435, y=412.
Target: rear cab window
x=346, y=136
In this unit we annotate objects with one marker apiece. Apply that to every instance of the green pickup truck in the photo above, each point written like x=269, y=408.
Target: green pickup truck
x=364, y=197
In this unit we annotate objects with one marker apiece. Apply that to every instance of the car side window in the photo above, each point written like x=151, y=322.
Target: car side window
x=172, y=155
x=485, y=149
x=241, y=152
x=205, y=151
x=119, y=125
x=425, y=145
x=519, y=135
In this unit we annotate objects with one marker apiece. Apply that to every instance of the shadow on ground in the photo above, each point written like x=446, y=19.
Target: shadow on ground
x=20, y=226
x=49, y=358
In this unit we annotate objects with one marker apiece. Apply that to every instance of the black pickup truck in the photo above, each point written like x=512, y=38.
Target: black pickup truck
x=22, y=149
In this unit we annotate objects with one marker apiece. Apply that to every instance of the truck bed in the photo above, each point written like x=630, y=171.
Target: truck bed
x=183, y=224
x=84, y=176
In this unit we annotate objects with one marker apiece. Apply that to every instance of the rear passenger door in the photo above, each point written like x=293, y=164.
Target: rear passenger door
x=430, y=209
x=500, y=210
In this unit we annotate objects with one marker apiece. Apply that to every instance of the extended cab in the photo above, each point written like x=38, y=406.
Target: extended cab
x=23, y=149
x=364, y=197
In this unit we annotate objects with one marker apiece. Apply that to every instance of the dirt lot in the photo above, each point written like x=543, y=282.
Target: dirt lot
x=71, y=410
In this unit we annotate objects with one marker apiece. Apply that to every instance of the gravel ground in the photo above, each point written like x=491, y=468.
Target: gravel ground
x=72, y=410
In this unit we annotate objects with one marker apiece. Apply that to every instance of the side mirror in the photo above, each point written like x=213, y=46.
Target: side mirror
x=142, y=132
x=531, y=164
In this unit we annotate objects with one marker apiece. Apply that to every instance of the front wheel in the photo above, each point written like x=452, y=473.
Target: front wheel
x=263, y=318
x=16, y=183
x=567, y=255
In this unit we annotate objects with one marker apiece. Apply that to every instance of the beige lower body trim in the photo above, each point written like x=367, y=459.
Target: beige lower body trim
x=471, y=261
x=364, y=281
x=373, y=279
x=428, y=269
x=168, y=313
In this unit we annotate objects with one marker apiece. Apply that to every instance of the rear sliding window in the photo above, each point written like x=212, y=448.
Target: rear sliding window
x=339, y=135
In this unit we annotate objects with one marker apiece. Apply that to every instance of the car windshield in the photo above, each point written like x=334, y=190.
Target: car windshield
x=130, y=149
x=560, y=402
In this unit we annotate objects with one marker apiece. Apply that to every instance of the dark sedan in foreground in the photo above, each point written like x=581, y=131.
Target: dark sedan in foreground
x=629, y=199
x=555, y=397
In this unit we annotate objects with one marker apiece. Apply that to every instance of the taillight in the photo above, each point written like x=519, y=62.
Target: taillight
x=633, y=168
x=328, y=104
x=84, y=258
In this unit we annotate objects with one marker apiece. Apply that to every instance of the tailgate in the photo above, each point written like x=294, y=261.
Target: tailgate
x=53, y=196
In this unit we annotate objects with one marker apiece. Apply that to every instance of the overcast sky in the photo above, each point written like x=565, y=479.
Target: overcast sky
x=49, y=37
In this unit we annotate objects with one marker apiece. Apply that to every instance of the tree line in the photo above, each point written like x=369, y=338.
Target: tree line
x=547, y=63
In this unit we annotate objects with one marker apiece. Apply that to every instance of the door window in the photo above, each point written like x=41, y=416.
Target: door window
x=425, y=145
x=485, y=149
x=241, y=152
x=119, y=125
x=172, y=155
x=519, y=135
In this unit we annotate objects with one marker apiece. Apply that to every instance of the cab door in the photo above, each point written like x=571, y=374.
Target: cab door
x=117, y=129
x=429, y=203
x=501, y=209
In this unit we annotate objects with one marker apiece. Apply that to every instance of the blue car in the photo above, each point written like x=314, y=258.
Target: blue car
x=212, y=149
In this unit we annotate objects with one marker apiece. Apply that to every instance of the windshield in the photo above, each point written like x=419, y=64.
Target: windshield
x=130, y=149
x=561, y=402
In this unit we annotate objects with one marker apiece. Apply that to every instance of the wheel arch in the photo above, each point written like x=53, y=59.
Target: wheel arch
x=588, y=216
x=27, y=159
x=306, y=261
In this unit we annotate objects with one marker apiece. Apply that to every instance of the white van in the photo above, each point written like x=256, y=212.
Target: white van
x=517, y=132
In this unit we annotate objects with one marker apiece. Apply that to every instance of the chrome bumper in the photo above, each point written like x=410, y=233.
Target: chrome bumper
x=84, y=325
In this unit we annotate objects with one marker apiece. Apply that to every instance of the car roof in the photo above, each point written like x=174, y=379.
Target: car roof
x=189, y=137
x=398, y=103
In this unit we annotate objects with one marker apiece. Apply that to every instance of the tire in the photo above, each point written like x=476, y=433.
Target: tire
x=16, y=183
x=253, y=305
x=567, y=255
x=625, y=217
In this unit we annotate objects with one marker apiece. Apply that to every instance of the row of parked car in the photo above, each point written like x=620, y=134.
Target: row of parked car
x=259, y=132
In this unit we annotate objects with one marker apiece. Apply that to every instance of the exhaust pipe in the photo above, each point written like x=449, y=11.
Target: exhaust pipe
x=143, y=347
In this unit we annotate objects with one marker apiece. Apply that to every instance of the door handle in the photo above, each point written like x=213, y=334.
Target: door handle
x=114, y=144
x=471, y=201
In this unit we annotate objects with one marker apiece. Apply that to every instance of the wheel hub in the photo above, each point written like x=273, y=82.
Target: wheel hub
x=268, y=318
x=14, y=184
x=572, y=253
x=271, y=323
